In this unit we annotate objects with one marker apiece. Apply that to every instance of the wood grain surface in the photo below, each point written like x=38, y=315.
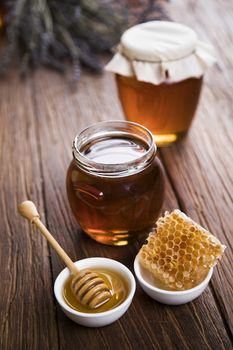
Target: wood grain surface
x=38, y=121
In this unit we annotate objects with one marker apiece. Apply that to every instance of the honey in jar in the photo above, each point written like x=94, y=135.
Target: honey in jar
x=166, y=109
x=159, y=70
x=115, y=182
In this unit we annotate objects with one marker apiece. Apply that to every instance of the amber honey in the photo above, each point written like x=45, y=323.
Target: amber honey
x=167, y=110
x=115, y=187
x=117, y=286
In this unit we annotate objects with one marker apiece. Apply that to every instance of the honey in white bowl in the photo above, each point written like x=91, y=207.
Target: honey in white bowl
x=116, y=284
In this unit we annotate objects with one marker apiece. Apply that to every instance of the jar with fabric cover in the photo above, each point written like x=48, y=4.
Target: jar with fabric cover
x=159, y=69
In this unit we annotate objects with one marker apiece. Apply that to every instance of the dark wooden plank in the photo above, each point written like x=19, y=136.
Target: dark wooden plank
x=27, y=313
x=147, y=324
x=200, y=167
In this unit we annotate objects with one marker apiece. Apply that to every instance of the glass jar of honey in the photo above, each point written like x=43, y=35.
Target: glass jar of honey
x=159, y=70
x=115, y=182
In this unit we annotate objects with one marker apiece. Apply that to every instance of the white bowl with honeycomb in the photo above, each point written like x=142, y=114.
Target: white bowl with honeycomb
x=176, y=264
x=168, y=296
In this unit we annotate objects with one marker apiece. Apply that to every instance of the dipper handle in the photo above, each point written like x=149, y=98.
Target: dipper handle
x=29, y=211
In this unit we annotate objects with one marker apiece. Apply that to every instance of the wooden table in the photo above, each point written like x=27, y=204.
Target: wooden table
x=39, y=119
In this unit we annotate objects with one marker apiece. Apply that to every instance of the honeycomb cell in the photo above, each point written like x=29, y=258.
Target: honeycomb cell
x=188, y=257
x=169, y=252
x=168, y=259
x=151, y=245
x=190, y=249
x=170, y=244
x=187, y=266
x=179, y=276
x=179, y=285
x=202, y=251
x=165, y=275
x=183, y=245
x=177, y=240
x=194, y=261
x=180, y=252
x=143, y=255
x=164, y=239
x=167, y=267
x=180, y=268
x=173, y=271
x=191, y=236
x=161, y=262
x=201, y=260
x=156, y=257
x=181, y=259
x=162, y=254
x=163, y=248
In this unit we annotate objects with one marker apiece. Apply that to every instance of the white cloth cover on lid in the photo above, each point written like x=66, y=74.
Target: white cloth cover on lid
x=158, y=51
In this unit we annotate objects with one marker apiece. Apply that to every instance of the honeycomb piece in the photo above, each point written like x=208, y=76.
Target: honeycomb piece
x=180, y=252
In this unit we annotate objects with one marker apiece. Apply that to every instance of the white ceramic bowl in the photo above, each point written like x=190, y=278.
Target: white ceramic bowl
x=102, y=318
x=170, y=297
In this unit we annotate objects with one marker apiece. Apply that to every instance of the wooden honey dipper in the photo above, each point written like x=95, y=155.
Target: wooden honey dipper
x=88, y=287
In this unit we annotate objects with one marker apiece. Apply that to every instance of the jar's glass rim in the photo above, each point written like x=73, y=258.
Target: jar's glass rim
x=113, y=128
